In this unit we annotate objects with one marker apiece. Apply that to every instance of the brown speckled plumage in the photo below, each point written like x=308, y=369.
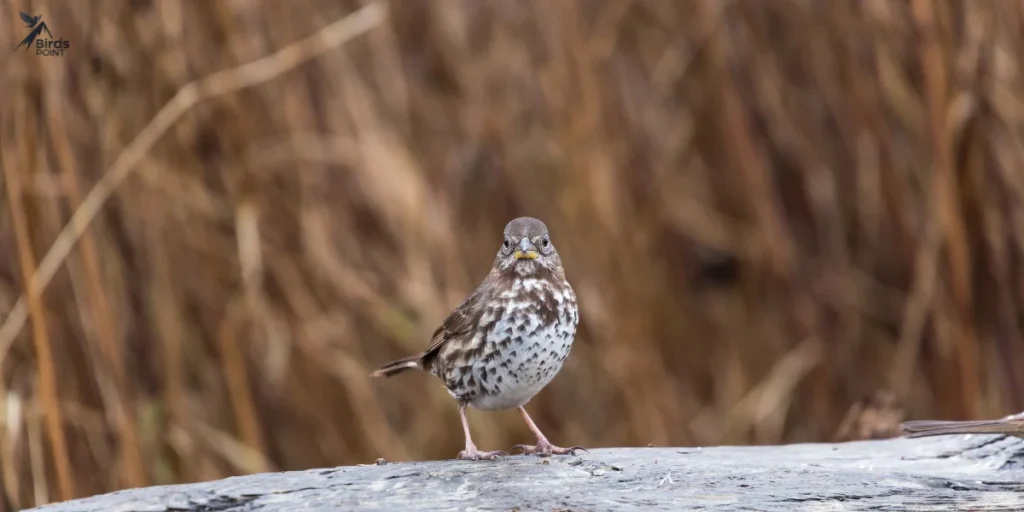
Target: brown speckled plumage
x=509, y=338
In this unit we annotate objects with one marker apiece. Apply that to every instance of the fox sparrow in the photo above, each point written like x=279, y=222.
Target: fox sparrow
x=508, y=339
x=1011, y=425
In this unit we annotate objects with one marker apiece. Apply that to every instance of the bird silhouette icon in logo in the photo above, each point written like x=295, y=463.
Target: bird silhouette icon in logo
x=38, y=27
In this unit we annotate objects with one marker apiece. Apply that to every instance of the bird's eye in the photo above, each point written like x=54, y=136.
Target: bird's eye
x=545, y=242
x=506, y=244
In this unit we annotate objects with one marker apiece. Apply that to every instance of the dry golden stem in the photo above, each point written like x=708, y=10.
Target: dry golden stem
x=222, y=82
x=947, y=208
x=743, y=154
x=44, y=353
x=13, y=429
x=132, y=470
x=237, y=377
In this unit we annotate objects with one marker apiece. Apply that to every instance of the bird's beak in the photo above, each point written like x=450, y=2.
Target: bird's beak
x=526, y=250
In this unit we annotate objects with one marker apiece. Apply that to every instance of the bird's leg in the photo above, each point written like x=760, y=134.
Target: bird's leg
x=471, y=453
x=543, y=446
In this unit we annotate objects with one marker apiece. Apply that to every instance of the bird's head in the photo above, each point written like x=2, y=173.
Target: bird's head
x=527, y=248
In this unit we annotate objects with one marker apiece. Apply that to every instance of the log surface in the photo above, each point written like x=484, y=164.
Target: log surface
x=941, y=473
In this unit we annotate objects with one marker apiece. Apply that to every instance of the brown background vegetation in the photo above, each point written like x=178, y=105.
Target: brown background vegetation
x=786, y=221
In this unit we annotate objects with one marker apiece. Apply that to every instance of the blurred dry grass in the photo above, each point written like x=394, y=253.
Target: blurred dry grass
x=786, y=221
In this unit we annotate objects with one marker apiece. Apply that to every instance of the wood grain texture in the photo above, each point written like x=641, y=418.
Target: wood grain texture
x=949, y=473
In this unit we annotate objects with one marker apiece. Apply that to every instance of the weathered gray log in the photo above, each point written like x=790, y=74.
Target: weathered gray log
x=940, y=473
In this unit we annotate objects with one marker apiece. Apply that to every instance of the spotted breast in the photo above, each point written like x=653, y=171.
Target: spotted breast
x=524, y=334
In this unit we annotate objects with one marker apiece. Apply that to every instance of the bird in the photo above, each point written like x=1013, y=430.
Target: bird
x=1012, y=425
x=37, y=30
x=509, y=337
x=30, y=20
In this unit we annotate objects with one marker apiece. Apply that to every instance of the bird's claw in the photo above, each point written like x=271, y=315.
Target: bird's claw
x=547, y=449
x=475, y=454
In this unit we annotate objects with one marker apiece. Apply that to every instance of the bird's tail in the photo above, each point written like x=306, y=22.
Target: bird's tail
x=926, y=428
x=396, y=367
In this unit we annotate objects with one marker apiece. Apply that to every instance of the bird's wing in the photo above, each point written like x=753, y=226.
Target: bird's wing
x=460, y=322
x=27, y=18
x=28, y=39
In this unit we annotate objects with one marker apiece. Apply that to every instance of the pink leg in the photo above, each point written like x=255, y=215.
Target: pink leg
x=471, y=453
x=543, y=446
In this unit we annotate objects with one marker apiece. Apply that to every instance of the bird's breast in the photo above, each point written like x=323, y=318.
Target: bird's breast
x=525, y=335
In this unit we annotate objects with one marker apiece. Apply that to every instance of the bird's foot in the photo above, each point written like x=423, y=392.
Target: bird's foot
x=471, y=453
x=544, y=448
